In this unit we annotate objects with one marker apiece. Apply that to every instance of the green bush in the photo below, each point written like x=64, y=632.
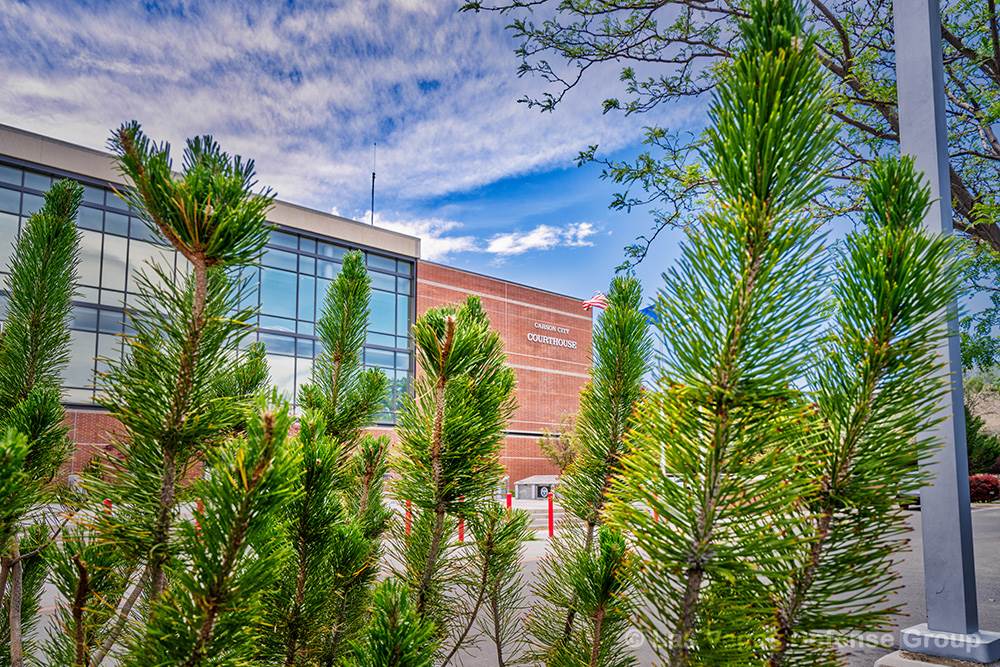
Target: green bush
x=984, y=447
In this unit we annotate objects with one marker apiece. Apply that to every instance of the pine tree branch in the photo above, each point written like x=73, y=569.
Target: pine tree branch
x=122, y=617
x=14, y=602
x=77, y=609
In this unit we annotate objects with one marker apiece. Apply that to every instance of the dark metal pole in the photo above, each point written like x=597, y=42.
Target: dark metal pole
x=952, y=627
x=373, y=183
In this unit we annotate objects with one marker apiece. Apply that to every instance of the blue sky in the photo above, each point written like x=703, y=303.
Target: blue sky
x=305, y=89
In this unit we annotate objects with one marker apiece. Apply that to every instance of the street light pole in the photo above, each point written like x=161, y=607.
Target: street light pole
x=952, y=627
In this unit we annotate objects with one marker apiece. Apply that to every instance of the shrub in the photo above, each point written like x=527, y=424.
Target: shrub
x=984, y=488
x=983, y=446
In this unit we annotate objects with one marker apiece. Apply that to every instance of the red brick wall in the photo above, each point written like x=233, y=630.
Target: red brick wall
x=549, y=378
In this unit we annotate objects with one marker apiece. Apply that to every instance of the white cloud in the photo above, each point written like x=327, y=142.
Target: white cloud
x=304, y=90
x=542, y=237
x=441, y=238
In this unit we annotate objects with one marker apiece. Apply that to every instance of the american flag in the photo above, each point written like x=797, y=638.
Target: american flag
x=596, y=301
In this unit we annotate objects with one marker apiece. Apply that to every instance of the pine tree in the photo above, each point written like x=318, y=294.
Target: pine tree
x=875, y=388
x=169, y=391
x=210, y=612
x=581, y=576
x=320, y=602
x=397, y=636
x=450, y=434
x=716, y=449
x=33, y=352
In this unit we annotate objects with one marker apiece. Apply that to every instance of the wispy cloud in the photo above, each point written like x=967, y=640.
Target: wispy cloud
x=441, y=238
x=542, y=237
x=303, y=89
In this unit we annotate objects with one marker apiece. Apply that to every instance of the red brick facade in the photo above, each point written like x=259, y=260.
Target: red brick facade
x=549, y=376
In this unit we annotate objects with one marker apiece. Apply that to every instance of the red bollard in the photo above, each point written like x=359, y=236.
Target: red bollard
x=108, y=505
x=461, y=525
x=409, y=517
x=552, y=516
x=509, y=500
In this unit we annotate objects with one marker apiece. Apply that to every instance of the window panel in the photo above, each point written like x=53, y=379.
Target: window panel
x=284, y=239
x=90, y=294
x=89, y=268
x=279, y=259
x=307, y=328
x=79, y=372
x=10, y=175
x=386, y=340
x=36, y=181
x=329, y=250
x=383, y=315
x=322, y=287
x=142, y=256
x=114, y=201
x=307, y=244
x=276, y=288
x=90, y=218
x=283, y=374
x=93, y=195
x=84, y=318
x=31, y=203
x=402, y=361
x=382, y=281
x=402, y=315
x=109, y=350
x=116, y=223
x=303, y=375
x=325, y=269
x=279, y=323
x=379, y=358
x=10, y=200
x=110, y=322
x=307, y=264
x=277, y=344
x=403, y=285
x=380, y=262
x=70, y=395
x=304, y=347
x=8, y=237
x=114, y=298
x=114, y=262
x=404, y=267
x=307, y=298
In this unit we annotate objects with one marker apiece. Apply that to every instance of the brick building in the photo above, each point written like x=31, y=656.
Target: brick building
x=547, y=335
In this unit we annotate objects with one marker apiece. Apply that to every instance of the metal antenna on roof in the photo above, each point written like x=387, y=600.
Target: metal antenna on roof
x=373, y=184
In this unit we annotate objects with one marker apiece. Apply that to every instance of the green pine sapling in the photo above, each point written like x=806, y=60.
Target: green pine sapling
x=167, y=390
x=33, y=351
x=450, y=432
x=335, y=526
x=716, y=450
x=874, y=389
x=584, y=580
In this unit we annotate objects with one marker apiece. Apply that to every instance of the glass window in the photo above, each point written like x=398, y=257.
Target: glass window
x=8, y=237
x=379, y=358
x=93, y=195
x=89, y=218
x=89, y=268
x=138, y=229
x=36, y=181
x=114, y=201
x=276, y=292
x=304, y=347
x=404, y=267
x=141, y=259
x=113, y=298
x=402, y=315
x=283, y=374
x=31, y=203
x=279, y=259
x=84, y=318
x=110, y=321
x=403, y=285
x=322, y=287
x=10, y=174
x=10, y=200
x=330, y=250
x=116, y=223
x=383, y=315
x=307, y=244
x=79, y=371
x=402, y=361
x=109, y=349
x=382, y=281
x=77, y=395
x=326, y=269
x=307, y=328
x=307, y=264
x=113, y=266
x=278, y=323
x=303, y=375
x=276, y=344
x=373, y=338
x=307, y=297
x=380, y=262
x=284, y=239
x=87, y=293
